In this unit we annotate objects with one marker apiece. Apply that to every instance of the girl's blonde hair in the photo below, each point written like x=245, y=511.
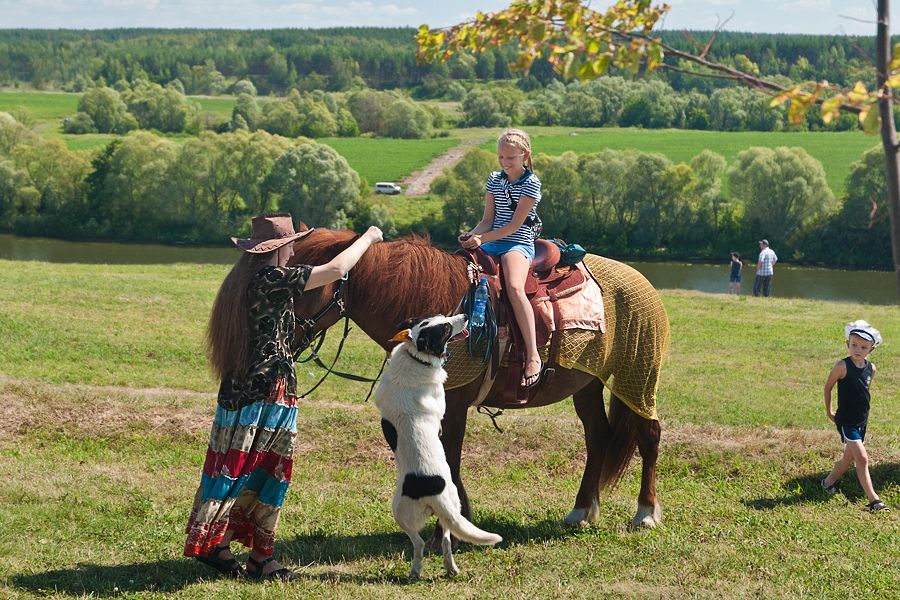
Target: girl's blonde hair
x=518, y=139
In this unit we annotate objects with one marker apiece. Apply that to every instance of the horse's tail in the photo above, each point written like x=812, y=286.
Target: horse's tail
x=462, y=528
x=621, y=443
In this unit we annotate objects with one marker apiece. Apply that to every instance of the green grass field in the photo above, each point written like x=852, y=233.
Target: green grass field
x=386, y=159
x=105, y=405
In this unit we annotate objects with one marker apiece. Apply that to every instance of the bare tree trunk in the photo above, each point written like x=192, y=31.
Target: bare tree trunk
x=888, y=131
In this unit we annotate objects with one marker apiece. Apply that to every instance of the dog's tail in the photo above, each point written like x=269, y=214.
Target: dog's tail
x=462, y=528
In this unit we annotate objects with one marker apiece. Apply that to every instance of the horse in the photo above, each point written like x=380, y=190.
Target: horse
x=396, y=280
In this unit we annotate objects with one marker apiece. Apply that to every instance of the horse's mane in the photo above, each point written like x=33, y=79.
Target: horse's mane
x=407, y=277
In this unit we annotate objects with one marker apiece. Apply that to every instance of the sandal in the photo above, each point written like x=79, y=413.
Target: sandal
x=282, y=574
x=877, y=505
x=832, y=489
x=533, y=379
x=228, y=568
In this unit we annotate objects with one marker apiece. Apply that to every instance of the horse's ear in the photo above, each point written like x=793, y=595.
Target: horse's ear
x=301, y=226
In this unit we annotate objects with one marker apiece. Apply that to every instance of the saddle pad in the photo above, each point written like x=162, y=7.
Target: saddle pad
x=627, y=358
x=580, y=307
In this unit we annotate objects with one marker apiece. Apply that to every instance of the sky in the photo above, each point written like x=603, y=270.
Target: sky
x=855, y=17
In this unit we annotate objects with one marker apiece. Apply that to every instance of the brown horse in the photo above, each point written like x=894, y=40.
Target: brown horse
x=398, y=280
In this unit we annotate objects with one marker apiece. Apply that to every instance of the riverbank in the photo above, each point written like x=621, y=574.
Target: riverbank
x=105, y=404
x=791, y=281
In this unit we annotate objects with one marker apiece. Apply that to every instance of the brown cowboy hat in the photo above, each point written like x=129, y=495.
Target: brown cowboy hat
x=270, y=232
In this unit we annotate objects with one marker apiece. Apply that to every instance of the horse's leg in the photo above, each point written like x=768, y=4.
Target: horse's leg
x=453, y=430
x=648, y=512
x=589, y=407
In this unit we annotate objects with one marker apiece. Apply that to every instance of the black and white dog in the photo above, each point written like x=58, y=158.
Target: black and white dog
x=411, y=400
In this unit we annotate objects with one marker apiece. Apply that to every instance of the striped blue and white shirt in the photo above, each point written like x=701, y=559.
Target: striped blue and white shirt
x=506, y=198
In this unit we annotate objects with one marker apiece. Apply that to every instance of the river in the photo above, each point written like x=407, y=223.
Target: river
x=871, y=287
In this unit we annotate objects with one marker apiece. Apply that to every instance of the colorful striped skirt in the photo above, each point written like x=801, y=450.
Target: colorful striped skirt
x=245, y=476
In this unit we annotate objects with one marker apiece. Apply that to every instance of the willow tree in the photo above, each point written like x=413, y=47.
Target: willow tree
x=583, y=43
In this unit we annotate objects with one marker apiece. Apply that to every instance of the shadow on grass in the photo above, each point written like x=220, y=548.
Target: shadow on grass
x=113, y=580
x=168, y=576
x=808, y=488
x=321, y=549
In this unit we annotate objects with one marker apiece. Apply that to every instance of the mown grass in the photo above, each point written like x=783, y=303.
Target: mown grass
x=386, y=159
x=105, y=404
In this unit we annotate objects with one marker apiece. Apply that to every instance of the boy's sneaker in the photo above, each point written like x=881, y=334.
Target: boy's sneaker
x=832, y=489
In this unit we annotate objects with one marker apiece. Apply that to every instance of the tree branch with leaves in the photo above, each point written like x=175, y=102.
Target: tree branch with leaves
x=582, y=43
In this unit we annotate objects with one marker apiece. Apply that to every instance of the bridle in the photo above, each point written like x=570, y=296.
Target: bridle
x=315, y=340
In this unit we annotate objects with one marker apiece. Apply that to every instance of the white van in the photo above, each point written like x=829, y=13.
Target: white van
x=386, y=187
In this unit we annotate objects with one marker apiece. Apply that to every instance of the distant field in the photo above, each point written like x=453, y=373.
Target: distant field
x=390, y=160
x=43, y=106
x=836, y=151
x=384, y=159
x=47, y=107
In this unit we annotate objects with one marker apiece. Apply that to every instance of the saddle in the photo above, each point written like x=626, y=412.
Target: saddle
x=546, y=283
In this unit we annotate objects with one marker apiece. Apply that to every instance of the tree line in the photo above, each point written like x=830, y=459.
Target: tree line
x=604, y=102
x=311, y=114
x=276, y=61
x=143, y=187
x=679, y=210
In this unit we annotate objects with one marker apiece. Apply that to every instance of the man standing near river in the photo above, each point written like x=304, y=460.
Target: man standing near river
x=764, y=269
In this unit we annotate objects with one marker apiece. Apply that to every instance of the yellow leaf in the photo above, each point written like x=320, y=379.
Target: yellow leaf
x=870, y=120
x=783, y=97
x=832, y=104
x=894, y=80
x=586, y=71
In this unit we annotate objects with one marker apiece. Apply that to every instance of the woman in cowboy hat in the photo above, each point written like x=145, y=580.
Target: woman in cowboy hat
x=250, y=454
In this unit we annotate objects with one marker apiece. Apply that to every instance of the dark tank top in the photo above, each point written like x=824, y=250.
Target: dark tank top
x=853, y=394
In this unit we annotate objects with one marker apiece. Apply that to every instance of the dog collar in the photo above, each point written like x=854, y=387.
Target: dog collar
x=417, y=359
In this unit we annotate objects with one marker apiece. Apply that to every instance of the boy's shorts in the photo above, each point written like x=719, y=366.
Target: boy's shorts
x=852, y=433
x=501, y=247
x=735, y=279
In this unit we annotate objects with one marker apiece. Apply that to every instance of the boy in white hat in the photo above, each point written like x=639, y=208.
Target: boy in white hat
x=853, y=375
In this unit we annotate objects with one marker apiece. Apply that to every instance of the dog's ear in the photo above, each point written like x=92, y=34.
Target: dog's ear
x=410, y=323
x=401, y=336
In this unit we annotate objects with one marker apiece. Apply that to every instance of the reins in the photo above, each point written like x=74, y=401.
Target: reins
x=309, y=338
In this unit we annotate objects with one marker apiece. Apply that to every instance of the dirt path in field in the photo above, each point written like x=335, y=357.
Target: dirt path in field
x=419, y=183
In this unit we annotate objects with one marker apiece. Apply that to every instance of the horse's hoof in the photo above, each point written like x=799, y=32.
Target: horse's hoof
x=583, y=517
x=646, y=517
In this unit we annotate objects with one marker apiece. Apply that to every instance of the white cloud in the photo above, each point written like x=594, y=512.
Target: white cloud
x=799, y=6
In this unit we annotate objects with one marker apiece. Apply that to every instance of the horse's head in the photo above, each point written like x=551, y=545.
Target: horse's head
x=318, y=309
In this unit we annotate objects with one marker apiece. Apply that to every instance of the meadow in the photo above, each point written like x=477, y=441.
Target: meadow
x=384, y=159
x=106, y=405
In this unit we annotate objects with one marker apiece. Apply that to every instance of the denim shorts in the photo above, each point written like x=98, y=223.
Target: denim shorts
x=501, y=247
x=735, y=279
x=852, y=433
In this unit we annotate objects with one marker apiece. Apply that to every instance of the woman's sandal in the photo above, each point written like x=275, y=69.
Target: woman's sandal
x=228, y=568
x=877, y=505
x=533, y=379
x=282, y=574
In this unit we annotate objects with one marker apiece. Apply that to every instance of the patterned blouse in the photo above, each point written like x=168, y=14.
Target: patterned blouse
x=271, y=302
